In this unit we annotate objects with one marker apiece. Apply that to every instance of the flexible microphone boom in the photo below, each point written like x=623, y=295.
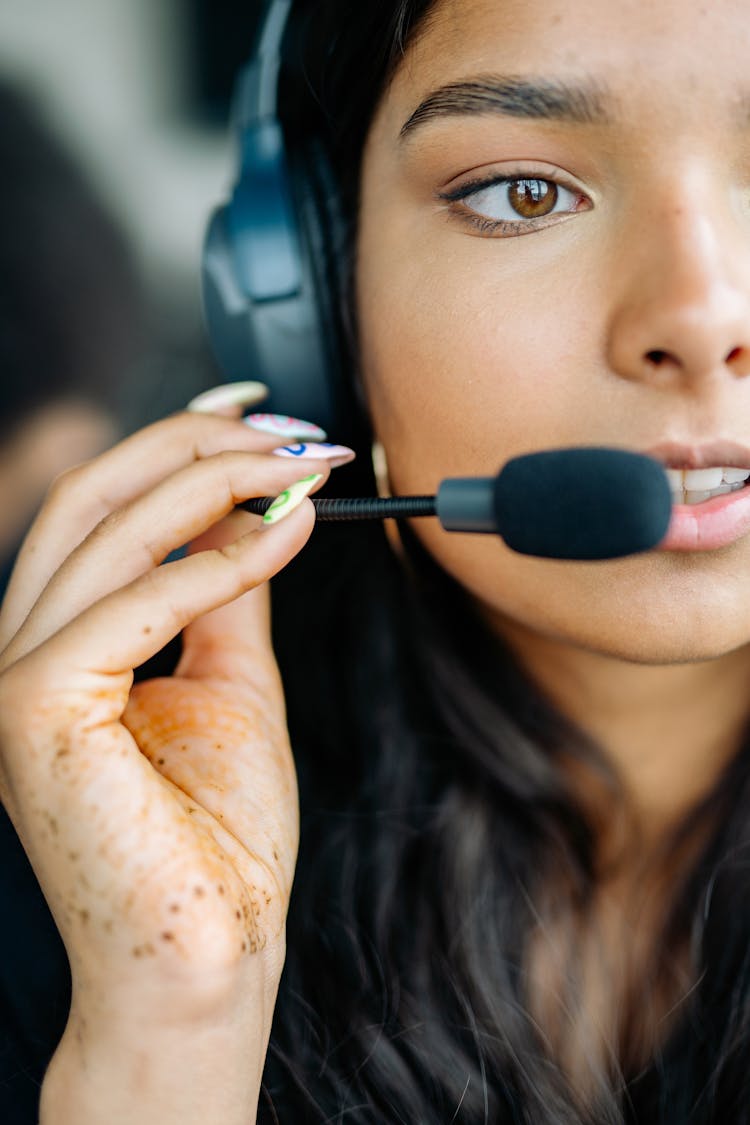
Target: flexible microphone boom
x=587, y=503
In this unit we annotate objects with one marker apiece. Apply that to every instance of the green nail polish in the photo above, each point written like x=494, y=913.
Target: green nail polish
x=291, y=498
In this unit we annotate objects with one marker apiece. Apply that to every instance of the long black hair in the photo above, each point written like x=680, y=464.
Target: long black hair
x=442, y=832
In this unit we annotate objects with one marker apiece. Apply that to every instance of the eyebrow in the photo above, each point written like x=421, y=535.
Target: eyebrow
x=538, y=99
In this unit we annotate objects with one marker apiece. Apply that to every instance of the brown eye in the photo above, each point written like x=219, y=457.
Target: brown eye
x=510, y=205
x=532, y=198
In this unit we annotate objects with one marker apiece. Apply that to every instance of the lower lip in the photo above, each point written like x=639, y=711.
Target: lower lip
x=709, y=525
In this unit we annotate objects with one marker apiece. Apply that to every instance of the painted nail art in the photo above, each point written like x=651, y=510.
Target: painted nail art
x=294, y=429
x=229, y=395
x=336, y=454
x=290, y=499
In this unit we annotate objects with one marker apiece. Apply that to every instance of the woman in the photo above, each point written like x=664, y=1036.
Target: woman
x=521, y=889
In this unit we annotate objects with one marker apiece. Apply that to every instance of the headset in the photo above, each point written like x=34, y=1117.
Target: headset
x=271, y=276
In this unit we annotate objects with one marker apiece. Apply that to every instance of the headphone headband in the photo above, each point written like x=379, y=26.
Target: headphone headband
x=255, y=97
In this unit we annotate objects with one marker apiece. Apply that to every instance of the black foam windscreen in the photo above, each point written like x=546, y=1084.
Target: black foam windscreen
x=592, y=503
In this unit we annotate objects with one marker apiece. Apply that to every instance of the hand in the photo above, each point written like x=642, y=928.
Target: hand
x=161, y=819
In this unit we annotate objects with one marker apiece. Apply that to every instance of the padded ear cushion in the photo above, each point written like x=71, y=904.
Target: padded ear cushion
x=327, y=244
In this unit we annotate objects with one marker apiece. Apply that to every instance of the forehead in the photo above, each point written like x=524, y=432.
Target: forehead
x=673, y=53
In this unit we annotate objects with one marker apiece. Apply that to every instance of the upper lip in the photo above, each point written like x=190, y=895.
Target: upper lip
x=682, y=455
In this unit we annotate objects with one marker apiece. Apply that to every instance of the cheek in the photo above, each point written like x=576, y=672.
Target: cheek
x=466, y=362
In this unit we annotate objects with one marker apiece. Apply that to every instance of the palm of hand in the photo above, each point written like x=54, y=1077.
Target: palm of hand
x=222, y=755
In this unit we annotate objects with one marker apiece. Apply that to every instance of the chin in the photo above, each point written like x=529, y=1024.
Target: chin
x=649, y=609
x=671, y=618
x=661, y=650
x=652, y=634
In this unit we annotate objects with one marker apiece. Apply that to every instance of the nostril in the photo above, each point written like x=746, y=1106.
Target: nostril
x=738, y=361
x=656, y=357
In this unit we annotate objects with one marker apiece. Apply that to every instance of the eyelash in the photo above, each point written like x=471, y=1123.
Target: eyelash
x=503, y=227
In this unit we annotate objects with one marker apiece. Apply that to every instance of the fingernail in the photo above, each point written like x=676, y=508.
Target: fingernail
x=294, y=429
x=336, y=454
x=229, y=395
x=290, y=499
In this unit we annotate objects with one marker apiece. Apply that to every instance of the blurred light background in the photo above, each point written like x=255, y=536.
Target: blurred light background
x=114, y=147
x=138, y=93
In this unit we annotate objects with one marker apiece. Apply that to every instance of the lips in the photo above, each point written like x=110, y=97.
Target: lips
x=682, y=455
x=715, y=522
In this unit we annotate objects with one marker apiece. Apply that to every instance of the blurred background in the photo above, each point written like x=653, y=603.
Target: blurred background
x=115, y=146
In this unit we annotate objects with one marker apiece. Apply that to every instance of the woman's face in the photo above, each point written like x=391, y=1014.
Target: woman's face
x=606, y=302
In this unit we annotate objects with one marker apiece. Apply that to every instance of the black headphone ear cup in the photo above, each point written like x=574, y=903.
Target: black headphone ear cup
x=328, y=245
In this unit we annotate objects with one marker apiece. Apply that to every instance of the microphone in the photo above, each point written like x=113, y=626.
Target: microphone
x=586, y=503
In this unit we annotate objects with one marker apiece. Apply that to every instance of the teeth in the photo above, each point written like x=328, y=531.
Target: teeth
x=702, y=479
x=693, y=486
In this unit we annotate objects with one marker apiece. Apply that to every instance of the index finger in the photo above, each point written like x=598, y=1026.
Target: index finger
x=84, y=495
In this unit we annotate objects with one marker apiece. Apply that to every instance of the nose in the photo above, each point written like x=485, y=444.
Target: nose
x=683, y=311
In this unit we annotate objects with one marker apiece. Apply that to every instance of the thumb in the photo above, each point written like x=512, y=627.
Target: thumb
x=233, y=642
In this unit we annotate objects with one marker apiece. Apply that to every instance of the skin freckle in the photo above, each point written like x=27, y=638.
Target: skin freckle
x=146, y=950
x=52, y=822
x=174, y=908
x=167, y=936
x=199, y=892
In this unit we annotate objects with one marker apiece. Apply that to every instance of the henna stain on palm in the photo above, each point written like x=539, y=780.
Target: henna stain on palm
x=146, y=950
